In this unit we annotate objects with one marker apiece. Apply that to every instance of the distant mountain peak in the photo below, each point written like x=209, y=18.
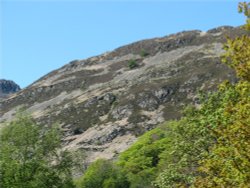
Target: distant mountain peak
x=8, y=87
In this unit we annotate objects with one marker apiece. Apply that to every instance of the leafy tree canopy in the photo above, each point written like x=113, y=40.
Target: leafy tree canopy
x=31, y=156
x=104, y=174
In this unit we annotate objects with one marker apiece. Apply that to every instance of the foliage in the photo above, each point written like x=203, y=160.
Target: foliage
x=237, y=53
x=169, y=155
x=104, y=174
x=30, y=156
x=140, y=160
x=173, y=150
x=228, y=162
x=237, y=56
x=143, y=53
x=132, y=64
x=189, y=140
x=244, y=7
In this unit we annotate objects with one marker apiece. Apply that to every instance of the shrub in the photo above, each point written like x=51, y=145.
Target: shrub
x=104, y=174
x=143, y=53
x=132, y=64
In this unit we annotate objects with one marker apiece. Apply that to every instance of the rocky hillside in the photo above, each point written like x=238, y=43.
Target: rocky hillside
x=103, y=103
x=7, y=87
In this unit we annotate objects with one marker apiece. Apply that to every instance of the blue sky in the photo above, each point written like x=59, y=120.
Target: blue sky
x=38, y=36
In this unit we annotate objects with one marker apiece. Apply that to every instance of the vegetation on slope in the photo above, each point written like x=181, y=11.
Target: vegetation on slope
x=103, y=173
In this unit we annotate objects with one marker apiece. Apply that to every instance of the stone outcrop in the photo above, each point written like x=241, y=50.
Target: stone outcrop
x=8, y=87
x=103, y=105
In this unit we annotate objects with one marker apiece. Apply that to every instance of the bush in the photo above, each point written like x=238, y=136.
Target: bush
x=143, y=53
x=103, y=174
x=132, y=64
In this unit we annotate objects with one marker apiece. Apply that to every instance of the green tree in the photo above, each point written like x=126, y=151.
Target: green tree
x=103, y=174
x=31, y=156
x=141, y=159
x=188, y=141
x=227, y=164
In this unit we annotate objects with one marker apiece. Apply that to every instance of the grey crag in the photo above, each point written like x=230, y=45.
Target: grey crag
x=7, y=87
x=103, y=103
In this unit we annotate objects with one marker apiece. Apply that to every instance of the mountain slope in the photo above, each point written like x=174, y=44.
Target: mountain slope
x=103, y=103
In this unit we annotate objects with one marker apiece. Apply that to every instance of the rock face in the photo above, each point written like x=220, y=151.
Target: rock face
x=103, y=104
x=8, y=87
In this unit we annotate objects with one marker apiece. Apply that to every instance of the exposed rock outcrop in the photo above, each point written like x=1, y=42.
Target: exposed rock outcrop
x=103, y=105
